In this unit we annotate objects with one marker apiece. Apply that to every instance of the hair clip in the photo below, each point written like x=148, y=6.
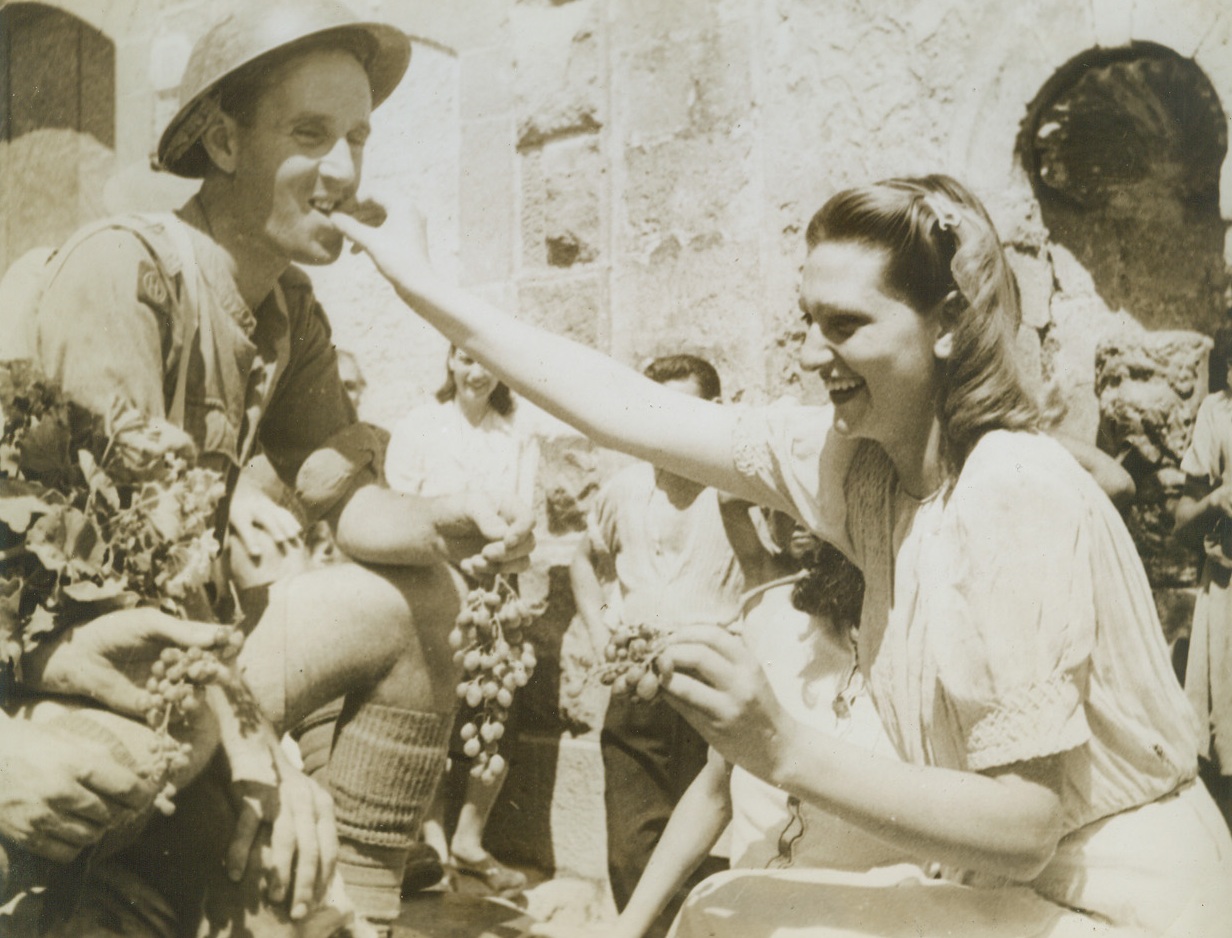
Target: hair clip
x=945, y=211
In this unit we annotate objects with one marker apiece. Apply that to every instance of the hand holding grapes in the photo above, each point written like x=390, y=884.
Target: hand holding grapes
x=716, y=684
x=484, y=535
x=109, y=659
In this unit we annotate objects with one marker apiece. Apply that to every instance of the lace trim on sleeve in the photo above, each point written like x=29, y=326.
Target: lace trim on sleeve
x=1040, y=719
x=750, y=455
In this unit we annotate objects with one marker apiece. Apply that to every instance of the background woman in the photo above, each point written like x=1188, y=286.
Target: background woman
x=468, y=439
x=1205, y=511
x=1008, y=634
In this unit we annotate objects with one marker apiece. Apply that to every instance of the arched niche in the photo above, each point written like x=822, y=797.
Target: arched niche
x=57, y=124
x=1124, y=149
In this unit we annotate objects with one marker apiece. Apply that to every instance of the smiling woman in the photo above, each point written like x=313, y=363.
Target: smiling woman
x=1008, y=635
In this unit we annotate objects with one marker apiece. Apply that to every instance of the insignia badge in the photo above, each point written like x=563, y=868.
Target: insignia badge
x=150, y=286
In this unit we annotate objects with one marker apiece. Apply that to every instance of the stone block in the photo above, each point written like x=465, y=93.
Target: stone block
x=486, y=210
x=1113, y=22
x=486, y=77
x=563, y=203
x=702, y=297
x=700, y=84
x=692, y=189
x=635, y=22
x=574, y=306
x=569, y=475
x=1035, y=283
x=483, y=23
x=578, y=818
x=559, y=71
x=168, y=56
x=1179, y=26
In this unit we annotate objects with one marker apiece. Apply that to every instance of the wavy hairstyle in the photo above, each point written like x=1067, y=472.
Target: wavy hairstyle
x=941, y=246
x=500, y=400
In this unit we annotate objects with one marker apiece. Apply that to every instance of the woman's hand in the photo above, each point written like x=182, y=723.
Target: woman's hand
x=715, y=684
x=396, y=238
x=108, y=659
x=287, y=829
x=484, y=535
x=59, y=793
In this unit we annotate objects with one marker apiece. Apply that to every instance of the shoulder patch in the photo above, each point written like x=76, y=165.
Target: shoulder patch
x=151, y=287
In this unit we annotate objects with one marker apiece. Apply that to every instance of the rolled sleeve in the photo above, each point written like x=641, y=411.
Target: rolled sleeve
x=347, y=460
x=310, y=404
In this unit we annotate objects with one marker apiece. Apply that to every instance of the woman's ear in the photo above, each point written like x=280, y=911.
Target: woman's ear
x=221, y=142
x=947, y=318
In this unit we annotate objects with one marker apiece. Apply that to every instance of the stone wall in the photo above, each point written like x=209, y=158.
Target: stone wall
x=638, y=174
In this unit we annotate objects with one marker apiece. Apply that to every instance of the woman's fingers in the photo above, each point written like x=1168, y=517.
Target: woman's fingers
x=352, y=228
x=702, y=661
x=697, y=702
x=712, y=636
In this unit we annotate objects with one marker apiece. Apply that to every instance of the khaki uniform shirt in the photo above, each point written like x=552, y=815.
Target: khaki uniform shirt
x=114, y=320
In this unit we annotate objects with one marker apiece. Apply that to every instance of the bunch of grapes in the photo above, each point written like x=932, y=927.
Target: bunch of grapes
x=489, y=643
x=173, y=688
x=632, y=665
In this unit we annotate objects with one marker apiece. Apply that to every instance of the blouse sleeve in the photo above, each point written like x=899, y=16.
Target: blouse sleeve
x=1201, y=459
x=792, y=454
x=1018, y=622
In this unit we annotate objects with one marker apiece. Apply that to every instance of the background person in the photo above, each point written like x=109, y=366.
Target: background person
x=1008, y=634
x=1205, y=511
x=468, y=439
x=666, y=542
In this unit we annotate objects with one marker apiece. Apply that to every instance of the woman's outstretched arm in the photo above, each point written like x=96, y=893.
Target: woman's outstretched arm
x=609, y=402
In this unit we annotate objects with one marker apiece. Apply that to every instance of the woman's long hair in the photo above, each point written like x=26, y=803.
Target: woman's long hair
x=939, y=241
x=500, y=400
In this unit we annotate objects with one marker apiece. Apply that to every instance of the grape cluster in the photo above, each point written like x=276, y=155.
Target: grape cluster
x=173, y=689
x=632, y=665
x=489, y=643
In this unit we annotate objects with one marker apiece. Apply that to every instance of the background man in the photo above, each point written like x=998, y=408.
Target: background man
x=668, y=545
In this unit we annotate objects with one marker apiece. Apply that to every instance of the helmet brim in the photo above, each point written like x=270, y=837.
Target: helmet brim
x=386, y=65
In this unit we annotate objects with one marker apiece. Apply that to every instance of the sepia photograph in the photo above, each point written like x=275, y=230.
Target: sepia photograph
x=615, y=469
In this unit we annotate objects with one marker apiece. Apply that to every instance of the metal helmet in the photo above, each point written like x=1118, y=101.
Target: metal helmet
x=255, y=30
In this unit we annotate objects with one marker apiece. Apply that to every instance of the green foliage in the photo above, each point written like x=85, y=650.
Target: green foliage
x=98, y=512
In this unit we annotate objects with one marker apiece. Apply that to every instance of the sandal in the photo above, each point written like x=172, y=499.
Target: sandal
x=492, y=873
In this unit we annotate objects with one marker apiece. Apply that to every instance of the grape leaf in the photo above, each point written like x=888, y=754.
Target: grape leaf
x=16, y=511
x=65, y=536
